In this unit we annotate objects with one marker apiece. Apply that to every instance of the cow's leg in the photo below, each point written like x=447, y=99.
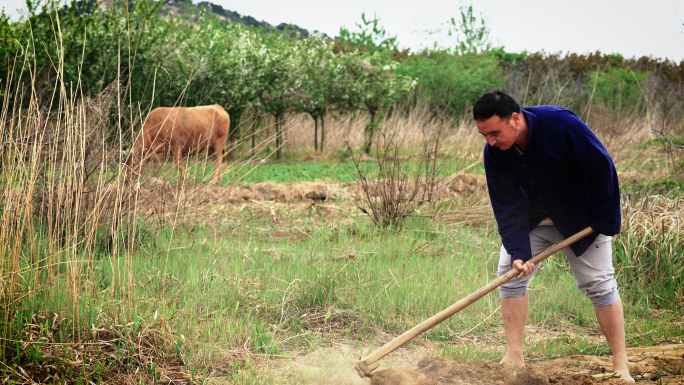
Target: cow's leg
x=177, y=153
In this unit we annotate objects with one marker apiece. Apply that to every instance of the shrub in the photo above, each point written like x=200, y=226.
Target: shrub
x=396, y=189
x=449, y=81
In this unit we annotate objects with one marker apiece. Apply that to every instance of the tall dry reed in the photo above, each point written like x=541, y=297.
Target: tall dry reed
x=650, y=249
x=621, y=132
x=348, y=130
x=62, y=200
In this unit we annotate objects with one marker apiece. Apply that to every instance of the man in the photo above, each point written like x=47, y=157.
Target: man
x=549, y=177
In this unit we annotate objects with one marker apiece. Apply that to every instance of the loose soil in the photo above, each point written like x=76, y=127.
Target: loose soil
x=158, y=191
x=647, y=363
x=658, y=364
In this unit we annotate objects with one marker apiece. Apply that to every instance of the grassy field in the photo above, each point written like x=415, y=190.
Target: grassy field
x=241, y=288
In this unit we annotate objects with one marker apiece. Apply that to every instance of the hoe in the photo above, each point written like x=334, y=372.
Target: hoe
x=368, y=364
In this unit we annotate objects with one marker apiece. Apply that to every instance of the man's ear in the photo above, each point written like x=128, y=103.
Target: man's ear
x=516, y=119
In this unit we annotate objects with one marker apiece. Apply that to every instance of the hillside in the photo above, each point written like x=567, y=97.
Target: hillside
x=187, y=9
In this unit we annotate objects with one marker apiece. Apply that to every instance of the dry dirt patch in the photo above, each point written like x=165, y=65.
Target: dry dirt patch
x=334, y=365
x=648, y=363
x=157, y=192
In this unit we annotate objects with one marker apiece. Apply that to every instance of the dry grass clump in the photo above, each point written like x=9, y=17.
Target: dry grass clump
x=650, y=249
x=328, y=320
x=121, y=354
x=56, y=175
x=655, y=219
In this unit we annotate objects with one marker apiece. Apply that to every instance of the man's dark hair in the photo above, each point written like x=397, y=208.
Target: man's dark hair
x=495, y=102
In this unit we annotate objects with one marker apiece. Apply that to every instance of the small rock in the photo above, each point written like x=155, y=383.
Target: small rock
x=317, y=195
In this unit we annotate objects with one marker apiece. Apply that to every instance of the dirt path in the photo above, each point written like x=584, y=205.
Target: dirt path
x=662, y=364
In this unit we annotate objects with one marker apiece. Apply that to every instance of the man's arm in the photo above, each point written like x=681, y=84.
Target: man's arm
x=509, y=207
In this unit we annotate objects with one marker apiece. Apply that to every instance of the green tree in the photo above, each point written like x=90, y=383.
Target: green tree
x=448, y=82
x=280, y=80
x=471, y=31
x=373, y=85
x=371, y=82
x=321, y=74
x=371, y=38
x=617, y=88
x=229, y=70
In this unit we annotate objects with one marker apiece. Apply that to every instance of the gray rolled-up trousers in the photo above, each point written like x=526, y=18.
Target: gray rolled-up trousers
x=593, y=270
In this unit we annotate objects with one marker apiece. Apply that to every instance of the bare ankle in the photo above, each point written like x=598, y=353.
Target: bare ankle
x=624, y=375
x=515, y=361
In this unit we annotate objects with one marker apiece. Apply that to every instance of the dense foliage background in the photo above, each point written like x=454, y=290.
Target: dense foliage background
x=176, y=53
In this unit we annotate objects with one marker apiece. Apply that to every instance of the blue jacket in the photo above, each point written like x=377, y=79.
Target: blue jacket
x=565, y=174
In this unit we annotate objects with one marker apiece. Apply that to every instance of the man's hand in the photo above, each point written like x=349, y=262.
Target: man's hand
x=525, y=268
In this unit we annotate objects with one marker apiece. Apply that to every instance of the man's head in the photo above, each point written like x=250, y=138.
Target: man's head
x=500, y=120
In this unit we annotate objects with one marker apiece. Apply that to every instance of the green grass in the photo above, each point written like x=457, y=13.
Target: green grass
x=299, y=172
x=672, y=186
x=309, y=171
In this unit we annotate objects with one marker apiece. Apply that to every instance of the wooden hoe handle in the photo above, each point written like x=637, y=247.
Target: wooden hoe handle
x=366, y=366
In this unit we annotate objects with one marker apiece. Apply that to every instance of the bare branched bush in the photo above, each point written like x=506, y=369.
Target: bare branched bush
x=673, y=148
x=620, y=131
x=394, y=186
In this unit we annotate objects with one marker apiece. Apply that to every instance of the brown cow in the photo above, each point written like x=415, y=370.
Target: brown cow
x=178, y=131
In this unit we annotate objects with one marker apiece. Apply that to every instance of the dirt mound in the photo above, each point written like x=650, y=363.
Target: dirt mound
x=158, y=197
x=468, y=184
x=290, y=192
x=662, y=362
x=442, y=371
x=280, y=192
x=317, y=157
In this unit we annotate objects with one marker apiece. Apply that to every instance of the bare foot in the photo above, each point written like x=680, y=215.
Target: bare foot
x=624, y=375
x=514, y=362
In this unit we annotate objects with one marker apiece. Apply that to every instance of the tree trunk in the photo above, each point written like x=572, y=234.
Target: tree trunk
x=233, y=134
x=315, y=132
x=258, y=120
x=371, y=128
x=279, y=139
x=322, y=132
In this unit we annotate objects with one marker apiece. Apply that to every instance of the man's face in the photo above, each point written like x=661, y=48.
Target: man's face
x=501, y=133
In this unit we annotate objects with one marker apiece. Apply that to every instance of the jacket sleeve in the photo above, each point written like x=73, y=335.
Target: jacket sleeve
x=510, y=209
x=603, y=214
